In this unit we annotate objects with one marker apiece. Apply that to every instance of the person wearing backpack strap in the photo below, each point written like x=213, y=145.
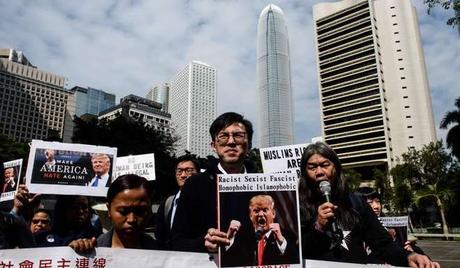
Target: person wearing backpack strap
x=186, y=166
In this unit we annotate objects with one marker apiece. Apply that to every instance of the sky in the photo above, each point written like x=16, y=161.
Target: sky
x=126, y=47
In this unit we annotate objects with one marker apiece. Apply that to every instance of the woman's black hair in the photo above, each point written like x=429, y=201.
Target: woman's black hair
x=128, y=181
x=309, y=195
x=367, y=192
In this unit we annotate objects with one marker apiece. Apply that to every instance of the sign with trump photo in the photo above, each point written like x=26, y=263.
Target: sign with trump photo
x=64, y=168
x=11, y=180
x=259, y=213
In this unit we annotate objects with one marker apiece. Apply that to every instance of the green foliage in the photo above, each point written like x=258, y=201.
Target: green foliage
x=11, y=150
x=426, y=174
x=453, y=135
x=446, y=4
x=352, y=178
x=254, y=156
x=132, y=137
x=383, y=186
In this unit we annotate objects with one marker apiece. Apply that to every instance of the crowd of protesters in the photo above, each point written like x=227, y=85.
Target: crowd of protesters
x=187, y=220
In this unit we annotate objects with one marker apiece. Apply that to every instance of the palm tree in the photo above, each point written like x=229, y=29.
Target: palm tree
x=441, y=195
x=453, y=135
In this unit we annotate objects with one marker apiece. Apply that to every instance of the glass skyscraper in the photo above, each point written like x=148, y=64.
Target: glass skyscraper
x=274, y=79
x=91, y=101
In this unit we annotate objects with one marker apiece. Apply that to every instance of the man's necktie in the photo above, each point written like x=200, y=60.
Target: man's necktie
x=96, y=181
x=260, y=251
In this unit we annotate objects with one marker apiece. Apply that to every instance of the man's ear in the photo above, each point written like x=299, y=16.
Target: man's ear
x=108, y=209
x=213, y=146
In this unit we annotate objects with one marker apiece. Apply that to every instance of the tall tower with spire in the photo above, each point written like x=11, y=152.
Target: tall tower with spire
x=276, y=118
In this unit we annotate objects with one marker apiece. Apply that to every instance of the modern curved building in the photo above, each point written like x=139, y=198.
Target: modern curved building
x=274, y=79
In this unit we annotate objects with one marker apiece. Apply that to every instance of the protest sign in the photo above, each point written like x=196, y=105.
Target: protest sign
x=10, y=179
x=65, y=257
x=396, y=227
x=72, y=169
x=282, y=158
x=261, y=210
x=142, y=165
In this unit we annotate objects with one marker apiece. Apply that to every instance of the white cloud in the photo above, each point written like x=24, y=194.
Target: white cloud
x=124, y=47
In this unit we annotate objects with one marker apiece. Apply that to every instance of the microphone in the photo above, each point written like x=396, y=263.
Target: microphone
x=325, y=188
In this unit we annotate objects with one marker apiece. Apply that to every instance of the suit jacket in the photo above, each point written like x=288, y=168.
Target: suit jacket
x=9, y=188
x=163, y=232
x=243, y=251
x=197, y=209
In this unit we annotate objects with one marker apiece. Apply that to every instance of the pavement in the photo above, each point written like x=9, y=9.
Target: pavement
x=446, y=253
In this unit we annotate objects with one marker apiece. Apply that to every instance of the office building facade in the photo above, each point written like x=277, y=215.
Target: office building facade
x=34, y=103
x=374, y=96
x=91, y=101
x=160, y=94
x=192, y=104
x=276, y=119
x=142, y=109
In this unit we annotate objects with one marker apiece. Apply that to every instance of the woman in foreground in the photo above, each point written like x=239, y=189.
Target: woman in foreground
x=129, y=207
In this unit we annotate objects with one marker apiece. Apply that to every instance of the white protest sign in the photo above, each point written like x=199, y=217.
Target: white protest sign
x=65, y=257
x=10, y=179
x=142, y=165
x=70, y=169
x=282, y=158
x=400, y=221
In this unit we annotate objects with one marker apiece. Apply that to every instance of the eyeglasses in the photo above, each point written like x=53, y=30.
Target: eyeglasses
x=188, y=171
x=238, y=137
x=36, y=221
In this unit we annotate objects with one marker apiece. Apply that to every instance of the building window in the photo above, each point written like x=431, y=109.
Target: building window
x=411, y=137
x=408, y=116
x=407, y=107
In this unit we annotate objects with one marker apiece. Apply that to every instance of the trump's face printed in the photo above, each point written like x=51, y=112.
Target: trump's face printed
x=101, y=164
x=262, y=212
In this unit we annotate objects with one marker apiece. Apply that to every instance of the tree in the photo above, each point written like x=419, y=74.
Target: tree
x=453, y=136
x=426, y=174
x=446, y=4
x=352, y=178
x=132, y=137
x=11, y=150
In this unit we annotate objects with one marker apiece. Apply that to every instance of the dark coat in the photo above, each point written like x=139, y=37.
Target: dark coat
x=243, y=252
x=147, y=242
x=163, y=232
x=196, y=211
x=317, y=244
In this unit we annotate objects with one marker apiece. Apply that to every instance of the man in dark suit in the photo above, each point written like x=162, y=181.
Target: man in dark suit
x=9, y=180
x=196, y=215
x=101, y=169
x=264, y=243
x=186, y=166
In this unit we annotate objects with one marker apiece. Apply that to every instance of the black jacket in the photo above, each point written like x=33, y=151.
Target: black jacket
x=317, y=244
x=147, y=242
x=162, y=225
x=243, y=251
x=196, y=211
